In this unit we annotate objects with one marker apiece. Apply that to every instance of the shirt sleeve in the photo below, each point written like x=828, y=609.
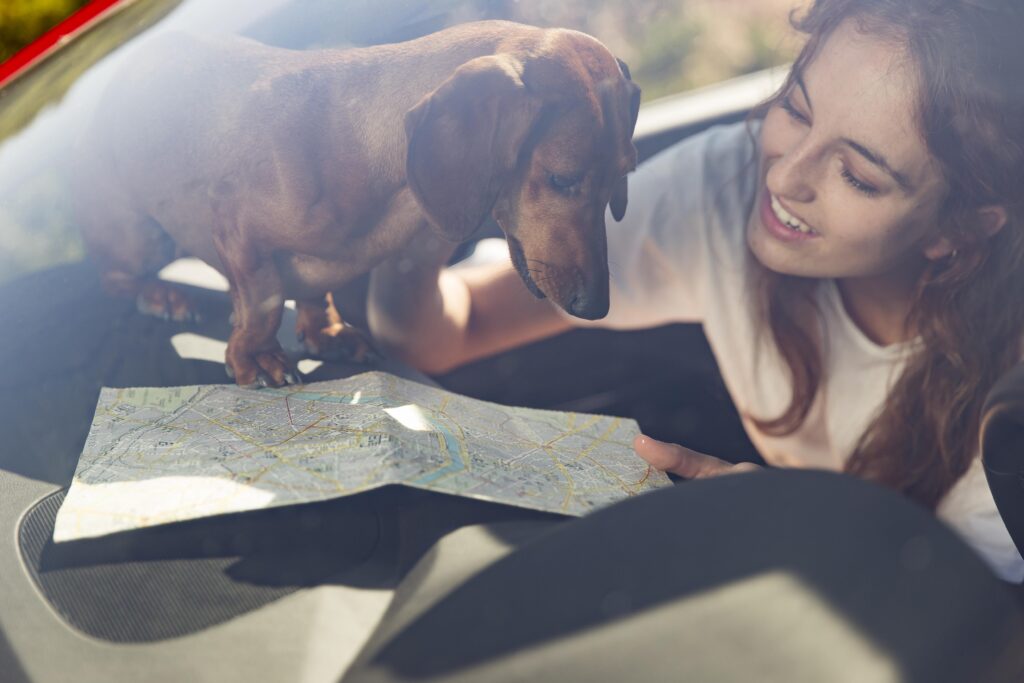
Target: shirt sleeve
x=970, y=510
x=687, y=213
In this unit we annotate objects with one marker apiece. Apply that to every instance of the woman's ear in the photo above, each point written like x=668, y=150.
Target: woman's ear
x=988, y=221
x=991, y=219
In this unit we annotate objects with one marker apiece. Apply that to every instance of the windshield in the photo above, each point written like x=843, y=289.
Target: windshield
x=317, y=310
x=669, y=46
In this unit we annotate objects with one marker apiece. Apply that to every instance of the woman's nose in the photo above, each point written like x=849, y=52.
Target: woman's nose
x=793, y=175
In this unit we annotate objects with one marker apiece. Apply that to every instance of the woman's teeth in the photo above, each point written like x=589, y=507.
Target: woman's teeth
x=788, y=219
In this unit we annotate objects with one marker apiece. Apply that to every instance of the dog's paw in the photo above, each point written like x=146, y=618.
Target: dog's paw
x=260, y=369
x=339, y=341
x=164, y=300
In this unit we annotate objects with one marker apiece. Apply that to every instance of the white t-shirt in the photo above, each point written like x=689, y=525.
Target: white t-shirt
x=680, y=255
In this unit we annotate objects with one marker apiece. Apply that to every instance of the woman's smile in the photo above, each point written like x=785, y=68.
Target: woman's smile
x=780, y=223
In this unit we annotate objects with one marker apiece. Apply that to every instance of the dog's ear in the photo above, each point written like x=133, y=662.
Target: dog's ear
x=620, y=193
x=464, y=140
x=620, y=197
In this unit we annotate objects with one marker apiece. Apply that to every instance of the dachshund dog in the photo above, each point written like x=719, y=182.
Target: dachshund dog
x=293, y=172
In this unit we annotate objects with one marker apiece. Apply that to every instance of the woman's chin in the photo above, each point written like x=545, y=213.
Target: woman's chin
x=763, y=250
x=776, y=257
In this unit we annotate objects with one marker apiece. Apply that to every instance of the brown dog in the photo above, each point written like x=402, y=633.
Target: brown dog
x=294, y=172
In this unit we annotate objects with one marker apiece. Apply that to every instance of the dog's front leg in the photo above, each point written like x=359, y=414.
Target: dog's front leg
x=254, y=357
x=321, y=330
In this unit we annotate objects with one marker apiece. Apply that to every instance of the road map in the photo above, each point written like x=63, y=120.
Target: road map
x=161, y=455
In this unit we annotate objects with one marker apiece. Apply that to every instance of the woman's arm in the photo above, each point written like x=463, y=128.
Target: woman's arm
x=471, y=312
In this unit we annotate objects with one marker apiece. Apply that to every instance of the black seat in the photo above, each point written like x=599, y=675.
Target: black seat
x=1002, y=440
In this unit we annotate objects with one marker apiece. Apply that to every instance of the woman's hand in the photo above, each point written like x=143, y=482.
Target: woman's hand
x=669, y=457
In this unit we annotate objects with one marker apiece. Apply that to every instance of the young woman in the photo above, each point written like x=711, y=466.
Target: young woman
x=855, y=253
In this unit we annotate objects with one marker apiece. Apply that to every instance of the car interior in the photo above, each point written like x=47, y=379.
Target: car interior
x=291, y=593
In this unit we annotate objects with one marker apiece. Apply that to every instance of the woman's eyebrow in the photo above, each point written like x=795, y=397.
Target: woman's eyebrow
x=878, y=160
x=875, y=158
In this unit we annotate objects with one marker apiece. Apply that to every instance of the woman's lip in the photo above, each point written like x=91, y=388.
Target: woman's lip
x=775, y=227
x=786, y=208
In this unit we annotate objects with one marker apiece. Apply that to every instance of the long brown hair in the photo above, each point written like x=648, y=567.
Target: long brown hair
x=968, y=310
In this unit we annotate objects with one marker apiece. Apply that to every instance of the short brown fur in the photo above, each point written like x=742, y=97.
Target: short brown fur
x=294, y=172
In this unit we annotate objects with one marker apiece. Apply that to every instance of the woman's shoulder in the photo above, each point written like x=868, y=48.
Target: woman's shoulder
x=683, y=229
x=714, y=174
x=721, y=152
x=707, y=179
x=734, y=146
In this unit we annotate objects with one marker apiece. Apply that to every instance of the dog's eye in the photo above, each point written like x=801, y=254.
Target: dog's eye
x=563, y=183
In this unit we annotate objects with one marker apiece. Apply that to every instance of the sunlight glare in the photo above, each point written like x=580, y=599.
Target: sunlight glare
x=411, y=417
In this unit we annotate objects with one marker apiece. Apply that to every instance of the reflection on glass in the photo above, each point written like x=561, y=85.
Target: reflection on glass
x=670, y=45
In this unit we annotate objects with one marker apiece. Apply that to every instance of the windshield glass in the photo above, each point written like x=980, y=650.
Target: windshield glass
x=670, y=47
x=296, y=292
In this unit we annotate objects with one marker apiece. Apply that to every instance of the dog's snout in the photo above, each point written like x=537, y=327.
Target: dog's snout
x=589, y=307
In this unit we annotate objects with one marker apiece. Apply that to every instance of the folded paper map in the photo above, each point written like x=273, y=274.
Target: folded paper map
x=160, y=455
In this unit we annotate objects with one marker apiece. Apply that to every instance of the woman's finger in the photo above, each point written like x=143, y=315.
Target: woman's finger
x=670, y=457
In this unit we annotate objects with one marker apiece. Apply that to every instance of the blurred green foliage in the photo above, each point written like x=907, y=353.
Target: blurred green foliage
x=37, y=226
x=22, y=21
x=674, y=45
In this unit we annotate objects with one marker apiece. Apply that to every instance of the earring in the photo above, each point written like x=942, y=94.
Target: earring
x=952, y=255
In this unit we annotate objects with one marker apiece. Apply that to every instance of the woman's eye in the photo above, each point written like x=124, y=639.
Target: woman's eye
x=858, y=184
x=563, y=183
x=788, y=106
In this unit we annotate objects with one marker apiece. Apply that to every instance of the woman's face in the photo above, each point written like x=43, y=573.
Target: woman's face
x=849, y=188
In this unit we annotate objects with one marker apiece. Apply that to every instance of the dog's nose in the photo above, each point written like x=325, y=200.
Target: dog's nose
x=588, y=308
